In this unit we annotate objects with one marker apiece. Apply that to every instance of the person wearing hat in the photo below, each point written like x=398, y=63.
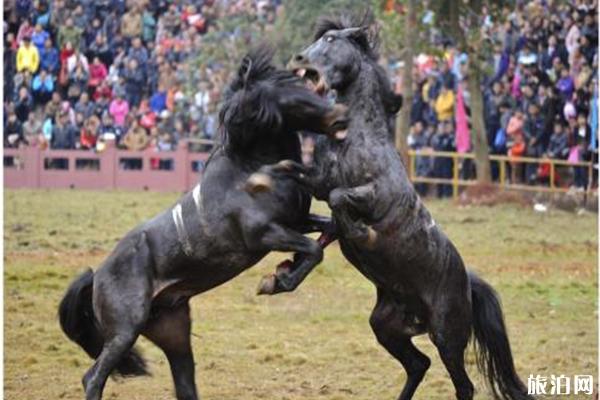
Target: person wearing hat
x=28, y=58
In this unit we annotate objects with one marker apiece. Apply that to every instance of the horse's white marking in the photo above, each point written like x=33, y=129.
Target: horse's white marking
x=197, y=198
x=431, y=224
x=180, y=227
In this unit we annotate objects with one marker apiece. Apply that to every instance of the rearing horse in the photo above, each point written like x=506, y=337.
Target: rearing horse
x=211, y=235
x=386, y=232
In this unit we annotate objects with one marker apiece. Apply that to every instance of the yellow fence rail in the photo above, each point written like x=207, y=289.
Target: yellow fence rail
x=503, y=181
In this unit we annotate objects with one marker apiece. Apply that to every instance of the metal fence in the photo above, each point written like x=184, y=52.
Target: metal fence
x=504, y=163
x=180, y=170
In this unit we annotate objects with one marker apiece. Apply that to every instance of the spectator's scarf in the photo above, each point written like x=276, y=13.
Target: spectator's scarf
x=463, y=142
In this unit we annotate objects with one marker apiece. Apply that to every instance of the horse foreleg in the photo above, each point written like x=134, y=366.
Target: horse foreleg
x=263, y=179
x=344, y=201
x=280, y=238
x=170, y=330
x=318, y=223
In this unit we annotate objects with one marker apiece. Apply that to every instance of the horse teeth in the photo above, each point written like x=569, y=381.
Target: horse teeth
x=301, y=72
x=341, y=135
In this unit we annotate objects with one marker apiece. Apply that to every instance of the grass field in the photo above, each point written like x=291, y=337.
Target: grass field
x=313, y=344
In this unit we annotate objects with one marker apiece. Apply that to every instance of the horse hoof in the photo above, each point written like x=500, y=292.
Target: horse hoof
x=258, y=183
x=267, y=285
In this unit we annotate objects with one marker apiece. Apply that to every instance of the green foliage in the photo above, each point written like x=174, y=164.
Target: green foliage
x=294, y=30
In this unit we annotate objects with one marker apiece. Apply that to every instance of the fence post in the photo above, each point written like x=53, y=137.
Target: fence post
x=590, y=177
x=552, y=173
x=455, y=176
x=502, y=172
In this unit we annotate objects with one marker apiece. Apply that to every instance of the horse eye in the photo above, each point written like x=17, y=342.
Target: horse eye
x=329, y=39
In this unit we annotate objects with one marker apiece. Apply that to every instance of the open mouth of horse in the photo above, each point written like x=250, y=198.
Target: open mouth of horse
x=313, y=79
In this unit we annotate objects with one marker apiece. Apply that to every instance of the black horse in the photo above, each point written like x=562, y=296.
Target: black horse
x=386, y=232
x=212, y=234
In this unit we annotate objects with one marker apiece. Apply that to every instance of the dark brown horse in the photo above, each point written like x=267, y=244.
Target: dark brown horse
x=387, y=233
x=209, y=236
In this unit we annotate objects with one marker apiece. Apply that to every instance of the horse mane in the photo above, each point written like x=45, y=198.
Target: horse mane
x=247, y=111
x=367, y=39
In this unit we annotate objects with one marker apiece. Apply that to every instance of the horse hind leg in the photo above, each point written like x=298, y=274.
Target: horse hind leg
x=388, y=325
x=451, y=336
x=170, y=330
x=122, y=296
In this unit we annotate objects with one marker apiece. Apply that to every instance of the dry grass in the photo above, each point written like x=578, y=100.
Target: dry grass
x=312, y=344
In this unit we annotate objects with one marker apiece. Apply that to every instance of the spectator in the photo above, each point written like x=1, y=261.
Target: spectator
x=98, y=73
x=158, y=101
x=137, y=52
x=578, y=152
x=100, y=49
x=131, y=24
x=32, y=130
x=25, y=31
x=89, y=133
x=63, y=133
x=149, y=26
x=85, y=106
x=565, y=85
x=78, y=83
x=39, y=37
x=119, y=108
x=536, y=140
x=28, y=58
x=42, y=87
x=69, y=33
x=77, y=59
x=443, y=140
x=136, y=138
x=444, y=104
x=419, y=140
x=24, y=104
x=13, y=131
x=49, y=58
x=134, y=82
x=558, y=147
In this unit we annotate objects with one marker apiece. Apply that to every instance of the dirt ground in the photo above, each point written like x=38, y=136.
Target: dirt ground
x=312, y=344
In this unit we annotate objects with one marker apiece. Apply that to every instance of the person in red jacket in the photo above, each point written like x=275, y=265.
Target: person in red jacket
x=98, y=73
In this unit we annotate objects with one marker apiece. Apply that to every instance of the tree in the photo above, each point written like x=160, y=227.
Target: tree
x=295, y=28
x=463, y=21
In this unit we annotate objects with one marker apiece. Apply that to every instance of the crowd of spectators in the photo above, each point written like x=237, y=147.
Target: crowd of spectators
x=80, y=72
x=540, y=94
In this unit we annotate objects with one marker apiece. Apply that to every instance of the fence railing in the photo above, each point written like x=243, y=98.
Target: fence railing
x=31, y=167
x=179, y=170
x=504, y=163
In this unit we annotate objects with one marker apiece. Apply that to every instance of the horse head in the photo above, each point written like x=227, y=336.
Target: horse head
x=264, y=104
x=344, y=51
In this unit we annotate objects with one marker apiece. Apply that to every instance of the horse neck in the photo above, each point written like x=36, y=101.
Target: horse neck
x=364, y=101
x=269, y=151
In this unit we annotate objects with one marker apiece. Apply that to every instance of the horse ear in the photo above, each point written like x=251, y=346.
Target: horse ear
x=244, y=71
x=354, y=33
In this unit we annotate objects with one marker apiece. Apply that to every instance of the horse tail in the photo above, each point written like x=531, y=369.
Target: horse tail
x=492, y=348
x=76, y=316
